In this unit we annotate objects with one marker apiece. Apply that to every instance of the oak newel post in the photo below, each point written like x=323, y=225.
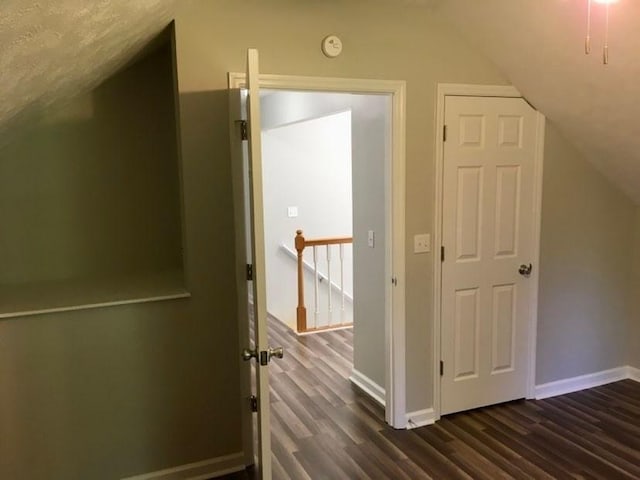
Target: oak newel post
x=301, y=310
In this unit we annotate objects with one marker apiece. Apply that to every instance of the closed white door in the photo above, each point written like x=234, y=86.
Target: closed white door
x=488, y=239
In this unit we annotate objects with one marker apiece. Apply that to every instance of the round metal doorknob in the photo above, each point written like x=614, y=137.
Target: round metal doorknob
x=525, y=270
x=248, y=354
x=277, y=352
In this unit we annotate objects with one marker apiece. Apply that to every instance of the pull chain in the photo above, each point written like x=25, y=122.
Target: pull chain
x=587, y=40
x=605, y=49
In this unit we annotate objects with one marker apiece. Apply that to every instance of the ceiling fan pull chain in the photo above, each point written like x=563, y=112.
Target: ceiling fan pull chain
x=605, y=49
x=587, y=40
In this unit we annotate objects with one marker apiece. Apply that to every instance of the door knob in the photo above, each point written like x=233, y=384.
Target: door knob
x=263, y=357
x=277, y=352
x=525, y=270
x=248, y=354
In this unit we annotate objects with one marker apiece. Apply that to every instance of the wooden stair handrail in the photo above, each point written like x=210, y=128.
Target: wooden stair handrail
x=301, y=243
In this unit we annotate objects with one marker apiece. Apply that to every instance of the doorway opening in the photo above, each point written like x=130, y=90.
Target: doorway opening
x=323, y=178
x=391, y=352
x=308, y=197
x=324, y=156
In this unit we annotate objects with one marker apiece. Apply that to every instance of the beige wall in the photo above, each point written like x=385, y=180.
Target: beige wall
x=92, y=190
x=112, y=392
x=634, y=318
x=380, y=41
x=585, y=267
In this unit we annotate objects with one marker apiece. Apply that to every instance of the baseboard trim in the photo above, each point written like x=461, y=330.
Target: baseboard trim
x=368, y=386
x=211, y=468
x=633, y=373
x=582, y=382
x=421, y=418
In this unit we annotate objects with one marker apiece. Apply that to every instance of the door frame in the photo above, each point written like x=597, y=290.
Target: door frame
x=395, y=354
x=454, y=89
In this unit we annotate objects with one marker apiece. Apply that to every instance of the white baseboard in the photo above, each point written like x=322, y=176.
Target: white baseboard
x=368, y=386
x=633, y=373
x=575, y=384
x=214, y=467
x=420, y=418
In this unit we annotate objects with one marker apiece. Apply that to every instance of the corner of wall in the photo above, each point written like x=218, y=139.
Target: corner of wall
x=633, y=337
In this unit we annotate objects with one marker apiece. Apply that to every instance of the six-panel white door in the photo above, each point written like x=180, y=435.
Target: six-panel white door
x=488, y=210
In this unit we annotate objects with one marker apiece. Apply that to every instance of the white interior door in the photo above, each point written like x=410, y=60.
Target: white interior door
x=488, y=235
x=249, y=222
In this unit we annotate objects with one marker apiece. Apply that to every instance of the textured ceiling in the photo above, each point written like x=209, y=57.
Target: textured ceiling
x=539, y=45
x=52, y=50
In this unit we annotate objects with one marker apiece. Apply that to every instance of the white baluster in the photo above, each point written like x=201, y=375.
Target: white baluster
x=316, y=304
x=342, y=282
x=329, y=283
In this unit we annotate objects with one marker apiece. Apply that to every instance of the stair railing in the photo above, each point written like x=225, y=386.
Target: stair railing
x=301, y=311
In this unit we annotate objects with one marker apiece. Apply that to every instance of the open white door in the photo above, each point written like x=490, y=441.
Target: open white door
x=252, y=309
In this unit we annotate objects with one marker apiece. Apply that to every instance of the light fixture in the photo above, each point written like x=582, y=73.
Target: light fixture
x=587, y=40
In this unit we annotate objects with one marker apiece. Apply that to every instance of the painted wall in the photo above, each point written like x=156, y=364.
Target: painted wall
x=307, y=165
x=112, y=392
x=372, y=145
x=585, y=267
x=634, y=319
x=92, y=190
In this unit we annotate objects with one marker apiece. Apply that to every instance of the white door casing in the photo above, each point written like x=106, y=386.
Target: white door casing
x=395, y=357
x=489, y=208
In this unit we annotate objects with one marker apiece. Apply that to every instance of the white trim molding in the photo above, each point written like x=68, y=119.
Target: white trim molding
x=211, y=468
x=453, y=89
x=368, y=386
x=395, y=184
x=582, y=382
x=421, y=418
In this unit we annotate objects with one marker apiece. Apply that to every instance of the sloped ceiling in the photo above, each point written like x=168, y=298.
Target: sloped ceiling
x=51, y=50
x=539, y=45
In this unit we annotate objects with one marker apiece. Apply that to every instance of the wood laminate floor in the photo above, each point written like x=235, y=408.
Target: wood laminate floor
x=323, y=428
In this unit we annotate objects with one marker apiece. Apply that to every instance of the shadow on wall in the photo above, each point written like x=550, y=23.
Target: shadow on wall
x=92, y=190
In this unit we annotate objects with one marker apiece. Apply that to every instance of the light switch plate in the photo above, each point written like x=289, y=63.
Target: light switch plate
x=292, y=212
x=371, y=238
x=422, y=243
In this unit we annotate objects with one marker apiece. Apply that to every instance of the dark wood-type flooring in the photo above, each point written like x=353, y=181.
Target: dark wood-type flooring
x=323, y=428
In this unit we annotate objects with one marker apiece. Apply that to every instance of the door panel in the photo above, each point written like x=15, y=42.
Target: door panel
x=249, y=224
x=259, y=278
x=466, y=334
x=469, y=214
x=503, y=328
x=488, y=209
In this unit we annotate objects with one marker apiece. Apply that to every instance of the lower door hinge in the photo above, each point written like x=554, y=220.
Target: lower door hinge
x=249, y=271
x=444, y=133
x=442, y=254
x=441, y=368
x=253, y=403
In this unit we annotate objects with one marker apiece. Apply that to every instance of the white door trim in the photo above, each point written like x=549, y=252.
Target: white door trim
x=453, y=89
x=395, y=355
